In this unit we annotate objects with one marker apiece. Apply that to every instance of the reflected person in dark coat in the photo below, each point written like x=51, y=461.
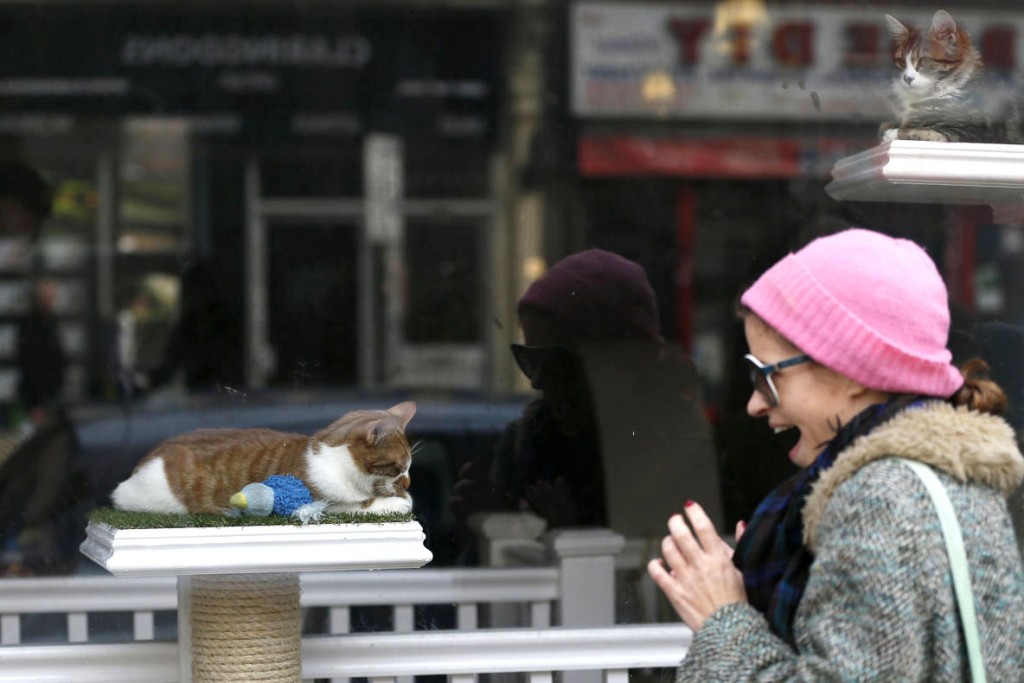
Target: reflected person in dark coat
x=617, y=436
x=36, y=487
x=25, y=203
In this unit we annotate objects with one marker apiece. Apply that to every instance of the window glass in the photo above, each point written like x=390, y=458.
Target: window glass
x=532, y=218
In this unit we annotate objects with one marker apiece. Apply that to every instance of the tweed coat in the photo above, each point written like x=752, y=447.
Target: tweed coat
x=879, y=603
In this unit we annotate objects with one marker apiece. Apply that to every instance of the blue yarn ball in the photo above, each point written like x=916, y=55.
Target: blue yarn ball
x=289, y=493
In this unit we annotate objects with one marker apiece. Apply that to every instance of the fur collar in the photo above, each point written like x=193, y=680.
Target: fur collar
x=967, y=445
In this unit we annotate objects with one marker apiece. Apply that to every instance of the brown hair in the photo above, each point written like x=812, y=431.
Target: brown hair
x=979, y=391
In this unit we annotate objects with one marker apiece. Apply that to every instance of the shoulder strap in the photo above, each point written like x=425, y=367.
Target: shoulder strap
x=957, y=563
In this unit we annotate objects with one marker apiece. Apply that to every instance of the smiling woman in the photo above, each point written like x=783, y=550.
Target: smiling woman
x=847, y=556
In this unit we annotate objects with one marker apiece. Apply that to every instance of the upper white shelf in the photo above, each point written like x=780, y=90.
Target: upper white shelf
x=255, y=549
x=935, y=173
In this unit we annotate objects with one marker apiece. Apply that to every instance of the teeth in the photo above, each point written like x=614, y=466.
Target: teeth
x=779, y=430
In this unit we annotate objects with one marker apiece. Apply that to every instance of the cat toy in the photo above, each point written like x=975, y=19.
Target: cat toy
x=278, y=494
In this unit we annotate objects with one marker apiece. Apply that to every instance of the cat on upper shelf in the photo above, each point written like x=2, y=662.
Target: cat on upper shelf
x=940, y=92
x=359, y=463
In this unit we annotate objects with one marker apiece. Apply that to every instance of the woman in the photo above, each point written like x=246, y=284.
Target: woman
x=842, y=573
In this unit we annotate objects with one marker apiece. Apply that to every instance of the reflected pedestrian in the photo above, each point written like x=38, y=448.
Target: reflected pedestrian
x=617, y=432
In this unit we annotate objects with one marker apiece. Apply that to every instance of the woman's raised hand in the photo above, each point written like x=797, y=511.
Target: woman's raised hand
x=696, y=573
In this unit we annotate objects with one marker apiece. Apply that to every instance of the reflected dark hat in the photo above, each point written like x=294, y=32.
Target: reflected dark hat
x=598, y=294
x=23, y=184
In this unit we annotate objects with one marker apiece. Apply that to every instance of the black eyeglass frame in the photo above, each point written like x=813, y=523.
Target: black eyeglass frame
x=760, y=370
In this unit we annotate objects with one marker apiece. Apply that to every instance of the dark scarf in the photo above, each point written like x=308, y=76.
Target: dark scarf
x=771, y=554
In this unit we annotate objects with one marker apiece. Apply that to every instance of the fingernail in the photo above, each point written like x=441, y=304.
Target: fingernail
x=689, y=503
x=743, y=526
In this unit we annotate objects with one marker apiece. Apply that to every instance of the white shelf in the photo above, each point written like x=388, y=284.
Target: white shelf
x=935, y=173
x=255, y=549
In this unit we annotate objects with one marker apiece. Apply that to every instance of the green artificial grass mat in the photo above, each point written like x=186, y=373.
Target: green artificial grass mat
x=121, y=519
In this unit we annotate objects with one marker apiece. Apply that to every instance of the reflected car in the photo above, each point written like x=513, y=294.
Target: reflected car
x=447, y=431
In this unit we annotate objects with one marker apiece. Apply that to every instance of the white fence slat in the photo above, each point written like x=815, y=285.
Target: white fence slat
x=462, y=678
x=430, y=586
x=540, y=677
x=404, y=621
x=495, y=651
x=78, y=627
x=616, y=676
x=540, y=614
x=87, y=594
x=143, y=627
x=339, y=620
x=381, y=656
x=466, y=616
x=85, y=663
x=10, y=629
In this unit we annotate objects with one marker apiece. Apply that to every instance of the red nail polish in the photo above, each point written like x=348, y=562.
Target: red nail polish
x=689, y=503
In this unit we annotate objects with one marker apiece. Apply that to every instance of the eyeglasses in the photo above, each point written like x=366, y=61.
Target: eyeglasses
x=761, y=375
x=552, y=358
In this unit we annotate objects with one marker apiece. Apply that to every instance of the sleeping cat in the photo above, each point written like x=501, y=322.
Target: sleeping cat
x=940, y=93
x=360, y=463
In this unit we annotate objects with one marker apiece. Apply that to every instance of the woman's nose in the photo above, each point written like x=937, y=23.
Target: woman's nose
x=757, y=405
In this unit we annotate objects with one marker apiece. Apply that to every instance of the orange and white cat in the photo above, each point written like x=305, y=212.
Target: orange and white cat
x=360, y=463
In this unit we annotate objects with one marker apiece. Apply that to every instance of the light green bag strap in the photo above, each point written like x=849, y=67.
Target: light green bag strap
x=957, y=562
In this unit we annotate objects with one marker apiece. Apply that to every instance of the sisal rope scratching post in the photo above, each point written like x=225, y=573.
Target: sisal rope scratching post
x=239, y=610
x=246, y=628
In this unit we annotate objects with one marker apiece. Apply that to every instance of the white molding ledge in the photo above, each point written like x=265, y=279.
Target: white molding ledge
x=935, y=173
x=255, y=549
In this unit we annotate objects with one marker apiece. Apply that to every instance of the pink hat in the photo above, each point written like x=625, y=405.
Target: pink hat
x=869, y=306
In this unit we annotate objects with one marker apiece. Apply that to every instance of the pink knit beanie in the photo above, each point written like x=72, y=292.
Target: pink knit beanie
x=600, y=295
x=871, y=307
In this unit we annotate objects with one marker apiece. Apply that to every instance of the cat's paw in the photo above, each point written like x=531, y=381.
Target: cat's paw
x=378, y=505
x=389, y=505
x=922, y=134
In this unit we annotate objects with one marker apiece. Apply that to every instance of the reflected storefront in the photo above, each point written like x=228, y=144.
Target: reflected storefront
x=276, y=174
x=726, y=122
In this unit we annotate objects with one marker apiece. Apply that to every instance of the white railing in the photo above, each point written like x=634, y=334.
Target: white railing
x=401, y=590
x=79, y=596
x=383, y=657
x=561, y=612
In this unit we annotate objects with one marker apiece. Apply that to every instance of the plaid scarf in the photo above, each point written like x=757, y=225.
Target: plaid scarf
x=771, y=554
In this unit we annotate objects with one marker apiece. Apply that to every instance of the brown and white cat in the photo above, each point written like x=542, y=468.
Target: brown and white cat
x=940, y=92
x=360, y=463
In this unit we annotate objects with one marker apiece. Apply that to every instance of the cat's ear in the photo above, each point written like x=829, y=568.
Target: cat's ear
x=943, y=26
x=379, y=429
x=404, y=412
x=896, y=29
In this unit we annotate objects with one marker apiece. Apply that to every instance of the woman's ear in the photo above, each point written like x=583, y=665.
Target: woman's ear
x=858, y=392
